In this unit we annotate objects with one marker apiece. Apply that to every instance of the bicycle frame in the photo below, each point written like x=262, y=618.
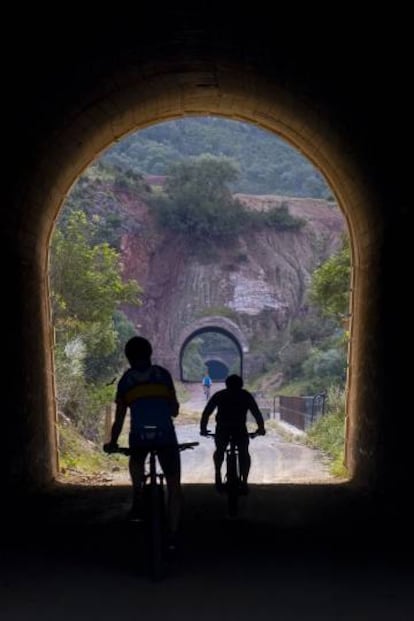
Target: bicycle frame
x=233, y=479
x=154, y=506
x=232, y=476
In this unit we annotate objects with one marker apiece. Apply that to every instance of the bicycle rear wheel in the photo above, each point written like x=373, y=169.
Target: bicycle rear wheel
x=232, y=484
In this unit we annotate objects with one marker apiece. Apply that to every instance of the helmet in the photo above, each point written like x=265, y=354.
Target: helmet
x=234, y=381
x=138, y=348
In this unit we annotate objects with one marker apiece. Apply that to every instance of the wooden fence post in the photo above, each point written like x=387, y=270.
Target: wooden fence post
x=108, y=422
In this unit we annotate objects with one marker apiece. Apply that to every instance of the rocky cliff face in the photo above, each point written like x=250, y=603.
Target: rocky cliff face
x=250, y=289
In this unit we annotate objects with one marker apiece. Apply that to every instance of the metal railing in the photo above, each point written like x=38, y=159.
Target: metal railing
x=302, y=412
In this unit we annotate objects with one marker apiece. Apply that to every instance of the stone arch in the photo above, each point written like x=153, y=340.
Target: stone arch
x=133, y=96
x=224, y=325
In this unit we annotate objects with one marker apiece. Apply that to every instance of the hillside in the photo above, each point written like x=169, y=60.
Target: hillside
x=267, y=164
x=252, y=288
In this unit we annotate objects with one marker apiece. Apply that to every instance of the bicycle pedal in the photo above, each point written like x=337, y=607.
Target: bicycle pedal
x=137, y=519
x=171, y=545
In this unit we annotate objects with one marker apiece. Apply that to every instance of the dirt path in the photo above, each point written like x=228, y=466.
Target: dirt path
x=197, y=400
x=274, y=459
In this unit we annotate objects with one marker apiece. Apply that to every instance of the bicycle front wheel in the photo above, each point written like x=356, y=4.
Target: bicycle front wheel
x=155, y=519
x=157, y=531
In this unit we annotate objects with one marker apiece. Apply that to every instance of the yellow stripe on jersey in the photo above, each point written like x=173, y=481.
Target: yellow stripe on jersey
x=148, y=391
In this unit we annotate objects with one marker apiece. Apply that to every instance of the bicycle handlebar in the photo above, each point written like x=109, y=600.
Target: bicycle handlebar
x=251, y=434
x=125, y=450
x=187, y=445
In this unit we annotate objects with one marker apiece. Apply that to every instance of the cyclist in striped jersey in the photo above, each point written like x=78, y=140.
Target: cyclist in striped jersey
x=149, y=393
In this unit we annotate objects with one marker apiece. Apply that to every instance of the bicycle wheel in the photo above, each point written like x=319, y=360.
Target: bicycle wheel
x=232, y=483
x=157, y=525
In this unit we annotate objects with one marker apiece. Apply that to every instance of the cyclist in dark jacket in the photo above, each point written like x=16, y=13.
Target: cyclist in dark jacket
x=232, y=405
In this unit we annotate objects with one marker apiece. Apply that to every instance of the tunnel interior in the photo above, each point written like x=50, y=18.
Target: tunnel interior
x=218, y=370
x=75, y=87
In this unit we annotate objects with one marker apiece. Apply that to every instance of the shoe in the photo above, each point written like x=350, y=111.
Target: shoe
x=171, y=543
x=220, y=487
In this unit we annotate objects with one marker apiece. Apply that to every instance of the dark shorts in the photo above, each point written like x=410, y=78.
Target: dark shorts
x=168, y=456
x=224, y=435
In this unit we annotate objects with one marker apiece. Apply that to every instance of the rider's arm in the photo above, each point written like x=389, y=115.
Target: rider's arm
x=208, y=410
x=175, y=406
x=120, y=412
x=258, y=416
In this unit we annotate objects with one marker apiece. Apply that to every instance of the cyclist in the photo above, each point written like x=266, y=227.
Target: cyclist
x=149, y=393
x=206, y=382
x=232, y=405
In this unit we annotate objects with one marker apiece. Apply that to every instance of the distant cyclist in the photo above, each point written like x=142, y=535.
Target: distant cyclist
x=206, y=382
x=148, y=391
x=232, y=405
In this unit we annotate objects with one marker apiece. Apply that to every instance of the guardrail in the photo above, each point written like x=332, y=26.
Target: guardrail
x=302, y=412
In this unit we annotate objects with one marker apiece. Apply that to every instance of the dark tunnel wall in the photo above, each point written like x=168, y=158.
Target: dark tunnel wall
x=71, y=91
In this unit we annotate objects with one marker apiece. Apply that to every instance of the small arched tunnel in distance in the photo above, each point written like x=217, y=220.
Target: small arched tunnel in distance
x=219, y=364
x=217, y=369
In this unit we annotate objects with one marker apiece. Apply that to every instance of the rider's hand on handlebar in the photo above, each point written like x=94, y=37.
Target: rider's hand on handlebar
x=203, y=432
x=110, y=447
x=261, y=431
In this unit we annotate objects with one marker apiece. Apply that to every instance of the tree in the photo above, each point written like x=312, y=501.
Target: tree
x=86, y=278
x=87, y=290
x=330, y=284
x=198, y=201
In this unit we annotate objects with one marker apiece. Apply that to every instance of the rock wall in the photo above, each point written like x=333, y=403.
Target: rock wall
x=253, y=286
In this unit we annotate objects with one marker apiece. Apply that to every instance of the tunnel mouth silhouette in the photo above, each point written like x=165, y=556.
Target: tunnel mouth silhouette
x=217, y=369
x=136, y=99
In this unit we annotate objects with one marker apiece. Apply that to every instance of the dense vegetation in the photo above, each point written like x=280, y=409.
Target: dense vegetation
x=329, y=291
x=267, y=164
x=87, y=291
x=327, y=434
x=196, y=200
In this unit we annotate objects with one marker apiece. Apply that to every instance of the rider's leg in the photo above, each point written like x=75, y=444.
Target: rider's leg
x=136, y=471
x=174, y=502
x=221, y=440
x=244, y=458
x=218, y=459
x=169, y=458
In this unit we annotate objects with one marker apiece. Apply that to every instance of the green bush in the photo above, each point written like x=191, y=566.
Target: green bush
x=328, y=433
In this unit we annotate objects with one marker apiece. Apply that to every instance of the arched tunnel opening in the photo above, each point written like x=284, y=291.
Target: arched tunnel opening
x=216, y=343
x=211, y=347
x=333, y=544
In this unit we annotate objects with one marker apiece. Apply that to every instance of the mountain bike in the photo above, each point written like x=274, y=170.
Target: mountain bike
x=234, y=487
x=154, y=513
